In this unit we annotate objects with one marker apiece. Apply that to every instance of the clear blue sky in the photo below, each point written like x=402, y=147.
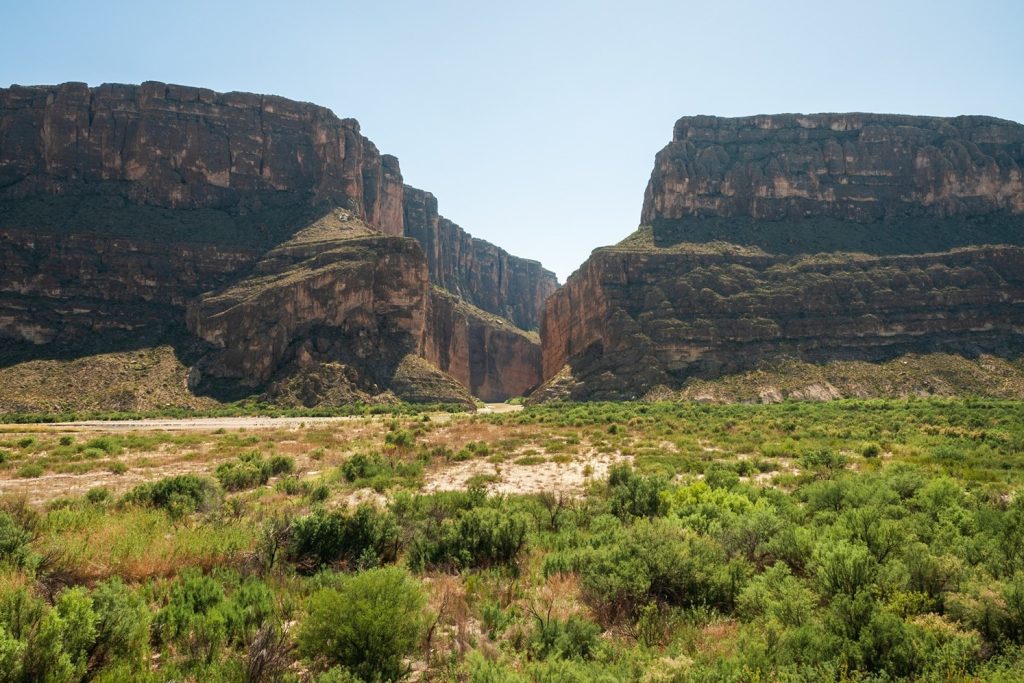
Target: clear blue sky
x=536, y=123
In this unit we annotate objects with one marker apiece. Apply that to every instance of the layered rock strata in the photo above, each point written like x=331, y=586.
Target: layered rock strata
x=276, y=224
x=475, y=270
x=873, y=183
x=816, y=238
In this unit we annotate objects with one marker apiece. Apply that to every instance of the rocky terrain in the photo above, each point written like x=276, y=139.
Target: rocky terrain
x=308, y=270
x=812, y=238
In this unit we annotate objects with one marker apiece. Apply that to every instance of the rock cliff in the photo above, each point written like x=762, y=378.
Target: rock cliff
x=477, y=271
x=852, y=237
x=277, y=225
x=839, y=182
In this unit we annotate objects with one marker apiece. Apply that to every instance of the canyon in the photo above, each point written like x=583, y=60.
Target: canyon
x=257, y=247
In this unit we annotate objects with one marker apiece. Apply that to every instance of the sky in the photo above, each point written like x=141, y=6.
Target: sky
x=535, y=124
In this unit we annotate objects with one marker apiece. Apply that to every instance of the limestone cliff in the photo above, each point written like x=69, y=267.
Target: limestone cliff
x=477, y=271
x=839, y=182
x=817, y=238
x=122, y=206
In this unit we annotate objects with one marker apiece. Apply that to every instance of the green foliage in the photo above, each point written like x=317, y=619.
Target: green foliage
x=572, y=638
x=633, y=495
x=365, y=538
x=477, y=537
x=368, y=624
x=179, y=494
x=251, y=470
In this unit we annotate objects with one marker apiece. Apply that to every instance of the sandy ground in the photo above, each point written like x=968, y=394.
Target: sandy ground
x=211, y=424
x=557, y=477
x=159, y=463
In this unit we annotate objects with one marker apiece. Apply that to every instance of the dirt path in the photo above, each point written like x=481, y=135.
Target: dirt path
x=212, y=424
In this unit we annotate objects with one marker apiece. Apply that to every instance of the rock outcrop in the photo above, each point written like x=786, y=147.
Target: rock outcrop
x=179, y=147
x=477, y=271
x=277, y=225
x=815, y=238
x=874, y=183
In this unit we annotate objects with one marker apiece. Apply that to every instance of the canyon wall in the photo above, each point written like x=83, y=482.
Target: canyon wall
x=818, y=238
x=839, y=182
x=190, y=148
x=122, y=206
x=477, y=271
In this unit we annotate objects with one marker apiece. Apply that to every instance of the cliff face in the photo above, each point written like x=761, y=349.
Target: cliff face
x=339, y=294
x=714, y=284
x=189, y=148
x=277, y=225
x=482, y=351
x=825, y=182
x=477, y=271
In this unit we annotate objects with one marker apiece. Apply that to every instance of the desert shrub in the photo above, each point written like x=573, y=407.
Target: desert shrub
x=122, y=624
x=251, y=470
x=98, y=495
x=238, y=476
x=870, y=450
x=656, y=561
x=720, y=477
x=365, y=538
x=368, y=624
x=178, y=494
x=778, y=595
x=844, y=568
x=571, y=638
x=108, y=445
x=281, y=464
x=364, y=466
x=633, y=495
x=58, y=647
x=399, y=439
x=30, y=470
x=478, y=537
x=823, y=460
x=703, y=508
x=14, y=540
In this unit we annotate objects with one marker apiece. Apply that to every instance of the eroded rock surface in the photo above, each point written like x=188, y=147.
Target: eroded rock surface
x=817, y=238
x=277, y=225
x=875, y=183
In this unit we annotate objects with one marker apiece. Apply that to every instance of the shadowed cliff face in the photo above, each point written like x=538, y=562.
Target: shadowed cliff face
x=479, y=272
x=714, y=284
x=122, y=205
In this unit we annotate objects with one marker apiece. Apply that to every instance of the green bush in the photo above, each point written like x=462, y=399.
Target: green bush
x=122, y=625
x=14, y=540
x=365, y=538
x=478, y=537
x=30, y=470
x=659, y=561
x=178, y=494
x=632, y=495
x=572, y=638
x=251, y=470
x=364, y=466
x=368, y=624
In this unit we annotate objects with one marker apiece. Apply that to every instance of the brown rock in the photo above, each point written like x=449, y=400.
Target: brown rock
x=633, y=319
x=479, y=272
x=854, y=182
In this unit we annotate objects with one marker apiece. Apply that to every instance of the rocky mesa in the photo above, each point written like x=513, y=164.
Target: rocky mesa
x=268, y=240
x=818, y=239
